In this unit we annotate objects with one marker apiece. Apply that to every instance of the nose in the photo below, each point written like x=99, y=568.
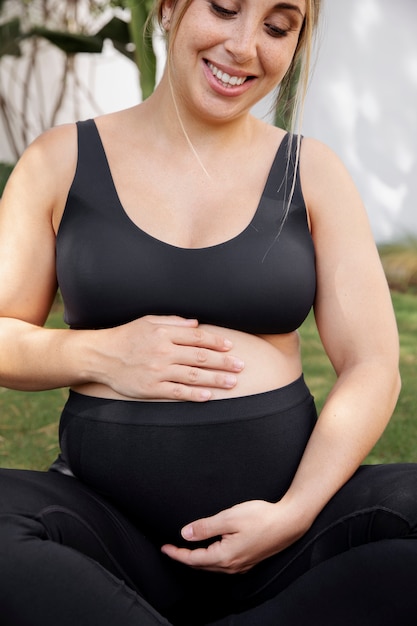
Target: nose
x=242, y=43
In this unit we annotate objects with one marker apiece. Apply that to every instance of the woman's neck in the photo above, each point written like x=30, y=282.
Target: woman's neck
x=173, y=122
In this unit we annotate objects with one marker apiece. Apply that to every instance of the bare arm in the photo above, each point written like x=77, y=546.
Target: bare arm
x=154, y=357
x=30, y=359
x=357, y=326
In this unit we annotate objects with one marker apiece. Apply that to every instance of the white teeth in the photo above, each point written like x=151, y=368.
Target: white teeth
x=226, y=79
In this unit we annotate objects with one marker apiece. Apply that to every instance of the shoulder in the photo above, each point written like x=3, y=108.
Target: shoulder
x=58, y=139
x=42, y=177
x=340, y=228
x=57, y=148
x=329, y=191
x=338, y=217
x=317, y=160
x=50, y=155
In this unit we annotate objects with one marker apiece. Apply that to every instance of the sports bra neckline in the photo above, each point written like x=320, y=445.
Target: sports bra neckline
x=161, y=242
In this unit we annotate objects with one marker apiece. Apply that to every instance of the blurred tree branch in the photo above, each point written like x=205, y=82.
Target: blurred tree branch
x=27, y=27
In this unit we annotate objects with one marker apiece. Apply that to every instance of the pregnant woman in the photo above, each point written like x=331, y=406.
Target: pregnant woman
x=196, y=483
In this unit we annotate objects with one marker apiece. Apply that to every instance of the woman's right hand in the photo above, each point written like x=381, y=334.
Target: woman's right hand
x=165, y=357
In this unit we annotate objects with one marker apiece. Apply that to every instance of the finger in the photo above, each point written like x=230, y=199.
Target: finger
x=195, y=376
x=208, y=359
x=203, y=558
x=209, y=527
x=183, y=393
x=200, y=338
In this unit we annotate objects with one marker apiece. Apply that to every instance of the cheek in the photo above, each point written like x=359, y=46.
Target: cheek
x=275, y=69
x=277, y=62
x=193, y=42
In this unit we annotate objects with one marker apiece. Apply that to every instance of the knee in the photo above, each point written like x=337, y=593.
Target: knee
x=399, y=490
x=392, y=489
x=17, y=531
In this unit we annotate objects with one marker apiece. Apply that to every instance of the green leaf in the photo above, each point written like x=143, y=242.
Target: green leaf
x=5, y=171
x=144, y=53
x=118, y=31
x=70, y=43
x=9, y=38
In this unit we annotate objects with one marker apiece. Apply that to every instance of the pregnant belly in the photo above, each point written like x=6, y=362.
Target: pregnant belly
x=270, y=362
x=166, y=464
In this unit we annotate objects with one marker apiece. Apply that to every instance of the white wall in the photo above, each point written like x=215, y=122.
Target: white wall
x=103, y=83
x=363, y=103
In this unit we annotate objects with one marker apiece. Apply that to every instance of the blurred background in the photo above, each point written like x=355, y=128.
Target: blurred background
x=62, y=61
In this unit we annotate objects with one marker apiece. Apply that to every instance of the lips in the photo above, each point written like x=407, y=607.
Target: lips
x=227, y=80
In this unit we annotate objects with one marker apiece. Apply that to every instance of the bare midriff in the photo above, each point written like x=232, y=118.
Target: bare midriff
x=271, y=362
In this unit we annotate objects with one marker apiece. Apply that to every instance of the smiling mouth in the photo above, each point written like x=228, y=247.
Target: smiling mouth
x=226, y=79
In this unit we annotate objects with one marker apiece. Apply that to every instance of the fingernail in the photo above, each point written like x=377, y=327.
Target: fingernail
x=239, y=364
x=227, y=343
x=205, y=394
x=187, y=532
x=230, y=381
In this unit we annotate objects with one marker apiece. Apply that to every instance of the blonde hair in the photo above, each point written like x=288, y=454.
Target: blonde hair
x=300, y=68
x=292, y=101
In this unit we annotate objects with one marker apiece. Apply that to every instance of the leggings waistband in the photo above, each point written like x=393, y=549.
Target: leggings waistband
x=213, y=411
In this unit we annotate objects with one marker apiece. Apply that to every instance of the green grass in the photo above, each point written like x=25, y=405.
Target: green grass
x=399, y=261
x=399, y=442
x=29, y=421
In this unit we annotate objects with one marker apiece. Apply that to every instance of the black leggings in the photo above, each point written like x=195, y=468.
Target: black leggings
x=85, y=551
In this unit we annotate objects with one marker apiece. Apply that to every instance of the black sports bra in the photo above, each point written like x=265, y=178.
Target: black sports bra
x=111, y=272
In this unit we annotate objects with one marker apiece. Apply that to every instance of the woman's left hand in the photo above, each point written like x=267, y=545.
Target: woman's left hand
x=249, y=533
